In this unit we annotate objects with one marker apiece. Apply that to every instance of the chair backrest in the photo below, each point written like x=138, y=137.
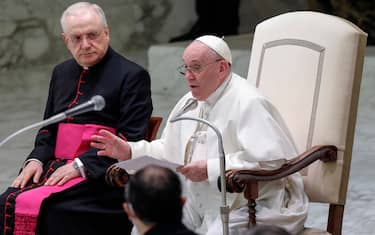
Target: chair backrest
x=153, y=127
x=309, y=65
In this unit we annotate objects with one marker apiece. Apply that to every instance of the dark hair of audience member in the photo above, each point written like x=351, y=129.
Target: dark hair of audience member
x=154, y=194
x=267, y=230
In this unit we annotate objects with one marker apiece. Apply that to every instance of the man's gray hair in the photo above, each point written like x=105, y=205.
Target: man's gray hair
x=78, y=8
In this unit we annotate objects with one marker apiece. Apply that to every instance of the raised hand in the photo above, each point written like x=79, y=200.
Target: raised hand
x=111, y=145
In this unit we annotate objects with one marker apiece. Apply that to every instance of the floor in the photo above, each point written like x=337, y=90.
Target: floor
x=23, y=93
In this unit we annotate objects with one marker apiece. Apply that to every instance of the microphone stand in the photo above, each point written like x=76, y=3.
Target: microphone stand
x=46, y=122
x=224, y=209
x=96, y=103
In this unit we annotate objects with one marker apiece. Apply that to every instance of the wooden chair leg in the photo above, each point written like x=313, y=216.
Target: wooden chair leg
x=335, y=217
x=251, y=194
x=252, y=218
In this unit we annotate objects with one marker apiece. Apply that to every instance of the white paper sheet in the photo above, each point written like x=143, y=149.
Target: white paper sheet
x=131, y=166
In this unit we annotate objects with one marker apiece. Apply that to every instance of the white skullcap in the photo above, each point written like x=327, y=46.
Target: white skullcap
x=218, y=45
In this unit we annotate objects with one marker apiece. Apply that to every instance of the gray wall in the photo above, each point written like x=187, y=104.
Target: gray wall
x=30, y=30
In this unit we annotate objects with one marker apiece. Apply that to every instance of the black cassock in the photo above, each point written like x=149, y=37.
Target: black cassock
x=91, y=206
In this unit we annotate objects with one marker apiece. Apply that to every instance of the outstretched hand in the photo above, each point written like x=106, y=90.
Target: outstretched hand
x=111, y=145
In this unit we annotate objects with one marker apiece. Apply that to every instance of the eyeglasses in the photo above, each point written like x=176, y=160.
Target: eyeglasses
x=91, y=36
x=196, y=69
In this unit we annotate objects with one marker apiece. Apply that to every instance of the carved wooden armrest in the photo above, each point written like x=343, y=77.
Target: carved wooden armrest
x=116, y=176
x=237, y=179
x=246, y=181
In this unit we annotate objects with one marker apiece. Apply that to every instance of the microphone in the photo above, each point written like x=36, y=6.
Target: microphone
x=224, y=209
x=190, y=104
x=96, y=103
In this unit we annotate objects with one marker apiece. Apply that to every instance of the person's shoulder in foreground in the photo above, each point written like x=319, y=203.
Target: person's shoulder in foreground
x=266, y=230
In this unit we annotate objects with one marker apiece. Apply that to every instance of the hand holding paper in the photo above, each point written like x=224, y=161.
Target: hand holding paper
x=195, y=171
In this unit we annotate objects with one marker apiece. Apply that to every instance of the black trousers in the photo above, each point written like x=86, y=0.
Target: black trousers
x=218, y=17
x=215, y=17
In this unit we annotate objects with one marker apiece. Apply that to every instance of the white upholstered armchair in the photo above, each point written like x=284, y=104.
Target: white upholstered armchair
x=309, y=65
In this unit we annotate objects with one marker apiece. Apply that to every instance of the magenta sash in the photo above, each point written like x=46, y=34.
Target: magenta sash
x=72, y=140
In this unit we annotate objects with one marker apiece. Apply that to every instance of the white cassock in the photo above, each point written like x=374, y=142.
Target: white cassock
x=253, y=133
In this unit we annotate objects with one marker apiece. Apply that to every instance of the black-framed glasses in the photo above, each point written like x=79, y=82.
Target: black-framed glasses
x=195, y=69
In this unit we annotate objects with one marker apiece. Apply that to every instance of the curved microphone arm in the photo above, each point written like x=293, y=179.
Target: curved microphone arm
x=46, y=122
x=224, y=210
x=96, y=103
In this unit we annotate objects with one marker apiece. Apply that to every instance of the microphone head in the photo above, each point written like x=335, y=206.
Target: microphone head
x=99, y=102
x=190, y=104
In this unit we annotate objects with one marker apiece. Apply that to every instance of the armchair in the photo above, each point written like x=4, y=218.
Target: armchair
x=309, y=65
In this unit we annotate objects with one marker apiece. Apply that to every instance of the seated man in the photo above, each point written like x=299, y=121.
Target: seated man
x=254, y=137
x=61, y=188
x=153, y=202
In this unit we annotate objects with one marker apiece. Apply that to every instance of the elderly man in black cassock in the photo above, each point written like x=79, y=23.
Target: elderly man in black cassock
x=61, y=187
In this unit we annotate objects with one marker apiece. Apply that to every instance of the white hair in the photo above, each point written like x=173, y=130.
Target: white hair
x=80, y=7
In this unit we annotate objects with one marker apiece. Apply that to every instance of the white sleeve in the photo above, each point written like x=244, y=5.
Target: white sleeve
x=143, y=147
x=262, y=141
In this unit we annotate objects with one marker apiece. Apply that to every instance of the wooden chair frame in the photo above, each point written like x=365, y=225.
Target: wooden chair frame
x=246, y=181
